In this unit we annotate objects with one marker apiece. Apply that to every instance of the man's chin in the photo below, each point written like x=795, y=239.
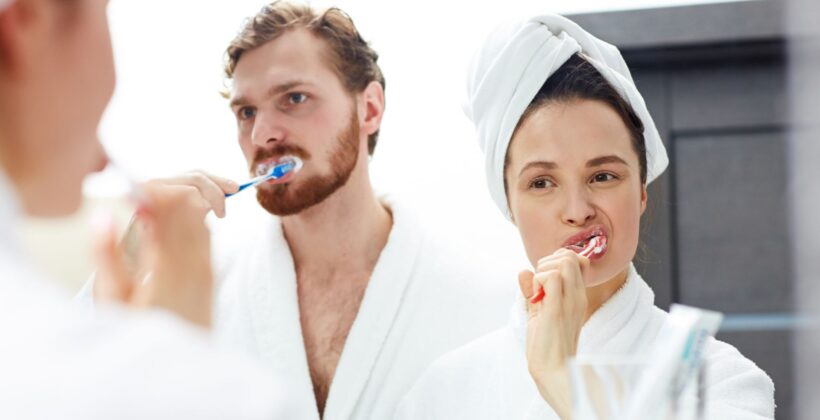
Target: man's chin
x=278, y=201
x=64, y=204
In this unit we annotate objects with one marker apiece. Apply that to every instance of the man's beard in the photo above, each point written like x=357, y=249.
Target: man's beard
x=288, y=199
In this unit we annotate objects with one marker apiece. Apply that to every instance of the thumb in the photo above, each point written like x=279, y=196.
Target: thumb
x=111, y=282
x=525, y=283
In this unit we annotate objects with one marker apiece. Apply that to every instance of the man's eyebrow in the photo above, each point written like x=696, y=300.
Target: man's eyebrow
x=272, y=91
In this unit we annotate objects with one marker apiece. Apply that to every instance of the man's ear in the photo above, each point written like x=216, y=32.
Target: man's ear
x=372, y=102
x=25, y=27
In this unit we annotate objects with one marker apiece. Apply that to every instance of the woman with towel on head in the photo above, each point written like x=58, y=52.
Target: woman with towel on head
x=570, y=148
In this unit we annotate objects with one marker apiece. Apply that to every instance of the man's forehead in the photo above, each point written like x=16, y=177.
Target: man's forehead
x=296, y=55
x=297, y=49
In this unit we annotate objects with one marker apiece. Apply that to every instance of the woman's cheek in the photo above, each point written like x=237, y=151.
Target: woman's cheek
x=535, y=229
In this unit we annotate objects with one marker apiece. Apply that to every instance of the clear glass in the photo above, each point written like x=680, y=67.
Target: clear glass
x=602, y=386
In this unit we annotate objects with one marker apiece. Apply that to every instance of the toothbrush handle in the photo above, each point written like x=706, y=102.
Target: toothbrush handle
x=244, y=186
x=277, y=172
x=538, y=296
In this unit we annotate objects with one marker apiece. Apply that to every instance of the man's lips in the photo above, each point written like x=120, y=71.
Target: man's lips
x=286, y=178
x=266, y=166
x=101, y=164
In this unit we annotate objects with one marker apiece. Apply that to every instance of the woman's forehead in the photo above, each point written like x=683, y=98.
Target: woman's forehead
x=573, y=132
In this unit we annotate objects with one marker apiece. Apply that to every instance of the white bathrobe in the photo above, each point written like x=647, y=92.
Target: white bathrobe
x=56, y=363
x=488, y=378
x=424, y=298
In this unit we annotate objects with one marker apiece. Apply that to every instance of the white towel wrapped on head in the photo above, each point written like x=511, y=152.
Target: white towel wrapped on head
x=513, y=64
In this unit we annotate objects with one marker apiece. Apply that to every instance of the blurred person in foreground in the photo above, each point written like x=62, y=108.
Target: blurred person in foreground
x=149, y=354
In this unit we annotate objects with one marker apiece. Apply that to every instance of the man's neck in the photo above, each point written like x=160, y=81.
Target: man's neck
x=347, y=231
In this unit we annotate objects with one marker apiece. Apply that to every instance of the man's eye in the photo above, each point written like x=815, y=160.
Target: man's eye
x=297, y=98
x=246, y=113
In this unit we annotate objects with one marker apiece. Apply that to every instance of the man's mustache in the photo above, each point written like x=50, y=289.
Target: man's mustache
x=262, y=155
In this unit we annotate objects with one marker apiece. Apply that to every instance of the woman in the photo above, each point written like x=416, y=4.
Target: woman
x=56, y=78
x=570, y=148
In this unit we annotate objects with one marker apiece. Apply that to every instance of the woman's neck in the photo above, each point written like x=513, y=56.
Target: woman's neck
x=598, y=295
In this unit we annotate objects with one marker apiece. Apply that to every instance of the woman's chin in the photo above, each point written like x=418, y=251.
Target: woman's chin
x=601, y=275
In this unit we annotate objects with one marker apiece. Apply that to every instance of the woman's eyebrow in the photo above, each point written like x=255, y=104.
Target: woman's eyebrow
x=538, y=164
x=598, y=161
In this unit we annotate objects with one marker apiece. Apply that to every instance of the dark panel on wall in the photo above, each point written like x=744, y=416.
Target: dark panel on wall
x=731, y=224
x=728, y=95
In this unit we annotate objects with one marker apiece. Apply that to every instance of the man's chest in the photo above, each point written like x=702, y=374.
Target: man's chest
x=327, y=311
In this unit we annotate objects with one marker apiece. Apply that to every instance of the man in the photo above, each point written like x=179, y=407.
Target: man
x=56, y=77
x=343, y=291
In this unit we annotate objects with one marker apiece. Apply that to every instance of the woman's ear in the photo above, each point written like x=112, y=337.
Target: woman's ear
x=644, y=198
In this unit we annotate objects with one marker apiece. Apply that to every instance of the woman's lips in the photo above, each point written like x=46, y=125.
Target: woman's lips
x=578, y=242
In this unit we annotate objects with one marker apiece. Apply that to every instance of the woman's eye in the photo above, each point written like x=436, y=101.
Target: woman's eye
x=297, y=98
x=541, y=183
x=246, y=113
x=603, y=177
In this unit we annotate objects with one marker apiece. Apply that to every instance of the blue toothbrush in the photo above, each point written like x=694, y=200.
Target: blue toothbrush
x=278, y=171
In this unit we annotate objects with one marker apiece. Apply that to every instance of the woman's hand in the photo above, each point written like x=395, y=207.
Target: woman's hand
x=554, y=323
x=173, y=246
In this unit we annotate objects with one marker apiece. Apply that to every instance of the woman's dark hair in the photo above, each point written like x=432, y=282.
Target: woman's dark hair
x=578, y=79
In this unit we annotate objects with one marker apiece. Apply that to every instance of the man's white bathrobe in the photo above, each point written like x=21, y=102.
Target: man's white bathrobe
x=488, y=378
x=425, y=297
x=57, y=363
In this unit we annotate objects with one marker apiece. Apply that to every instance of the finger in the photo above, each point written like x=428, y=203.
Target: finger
x=226, y=185
x=213, y=193
x=555, y=256
x=569, y=265
x=550, y=281
x=529, y=289
x=112, y=281
x=551, y=264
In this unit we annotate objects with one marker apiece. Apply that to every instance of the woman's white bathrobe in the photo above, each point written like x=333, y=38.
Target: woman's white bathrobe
x=488, y=378
x=425, y=297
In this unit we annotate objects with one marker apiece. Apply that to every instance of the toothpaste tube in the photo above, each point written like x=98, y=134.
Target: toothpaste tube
x=674, y=362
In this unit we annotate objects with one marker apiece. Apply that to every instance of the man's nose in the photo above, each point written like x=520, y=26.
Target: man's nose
x=267, y=130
